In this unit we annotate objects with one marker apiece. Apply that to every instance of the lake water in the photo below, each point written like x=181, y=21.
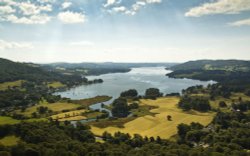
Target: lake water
x=138, y=78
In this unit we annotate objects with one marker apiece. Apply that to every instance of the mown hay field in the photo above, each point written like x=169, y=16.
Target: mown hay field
x=158, y=125
x=70, y=116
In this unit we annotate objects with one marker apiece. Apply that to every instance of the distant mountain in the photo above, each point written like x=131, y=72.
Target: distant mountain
x=107, y=65
x=225, y=65
x=233, y=74
x=12, y=71
x=98, y=68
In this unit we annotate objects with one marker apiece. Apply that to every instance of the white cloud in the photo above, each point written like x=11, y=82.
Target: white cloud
x=245, y=22
x=31, y=9
x=220, y=7
x=8, y=2
x=130, y=10
x=120, y=9
x=82, y=43
x=69, y=17
x=6, y=10
x=46, y=1
x=153, y=1
x=34, y=19
x=138, y=5
x=15, y=45
x=66, y=5
x=24, y=12
x=109, y=2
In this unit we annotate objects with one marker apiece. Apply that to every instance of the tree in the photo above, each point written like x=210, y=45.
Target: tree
x=152, y=93
x=222, y=104
x=120, y=108
x=183, y=129
x=42, y=109
x=129, y=93
x=196, y=103
x=134, y=106
x=169, y=117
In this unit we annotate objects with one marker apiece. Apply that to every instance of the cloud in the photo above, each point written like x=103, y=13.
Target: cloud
x=34, y=19
x=6, y=10
x=82, y=43
x=24, y=12
x=9, y=2
x=15, y=45
x=66, y=5
x=134, y=8
x=31, y=9
x=69, y=17
x=153, y=1
x=109, y=2
x=219, y=7
x=245, y=22
x=119, y=9
x=47, y=1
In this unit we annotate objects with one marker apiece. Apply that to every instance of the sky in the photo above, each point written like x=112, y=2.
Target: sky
x=45, y=31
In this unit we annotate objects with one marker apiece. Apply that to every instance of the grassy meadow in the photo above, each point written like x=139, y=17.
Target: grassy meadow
x=9, y=140
x=56, y=84
x=8, y=120
x=94, y=100
x=6, y=85
x=158, y=125
x=55, y=107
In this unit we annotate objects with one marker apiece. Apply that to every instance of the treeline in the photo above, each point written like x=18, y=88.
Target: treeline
x=197, y=103
x=235, y=81
x=12, y=71
x=228, y=134
x=29, y=94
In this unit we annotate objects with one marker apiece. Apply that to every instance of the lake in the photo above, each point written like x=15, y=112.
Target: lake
x=138, y=78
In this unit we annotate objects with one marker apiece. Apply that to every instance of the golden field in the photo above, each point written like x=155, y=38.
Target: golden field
x=158, y=125
x=55, y=107
x=70, y=116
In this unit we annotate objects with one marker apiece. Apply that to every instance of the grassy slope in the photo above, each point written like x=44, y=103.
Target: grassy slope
x=9, y=140
x=158, y=125
x=56, y=107
x=8, y=120
x=56, y=84
x=5, y=85
x=94, y=100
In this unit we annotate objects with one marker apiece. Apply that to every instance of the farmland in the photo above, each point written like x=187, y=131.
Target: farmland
x=8, y=120
x=158, y=125
x=6, y=85
x=9, y=140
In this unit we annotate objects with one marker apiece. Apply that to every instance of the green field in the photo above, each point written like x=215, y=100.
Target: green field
x=9, y=140
x=56, y=84
x=55, y=107
x=6, y=85
x=158, y=125
x=8, y=120
x=94, y=100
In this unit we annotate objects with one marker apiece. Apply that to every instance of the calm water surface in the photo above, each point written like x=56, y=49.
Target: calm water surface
x=138, y=78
